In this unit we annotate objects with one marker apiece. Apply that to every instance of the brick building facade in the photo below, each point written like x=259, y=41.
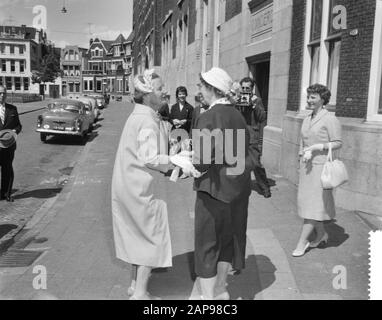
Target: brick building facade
x=183, y=38
x=108, y=66
x=285, y=45
x=349, y=62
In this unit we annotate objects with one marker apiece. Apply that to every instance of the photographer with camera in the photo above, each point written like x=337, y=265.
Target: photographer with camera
x=252, y=109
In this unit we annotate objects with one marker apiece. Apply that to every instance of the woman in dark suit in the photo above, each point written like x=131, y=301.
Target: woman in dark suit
x=221, y=207
x=181, y=112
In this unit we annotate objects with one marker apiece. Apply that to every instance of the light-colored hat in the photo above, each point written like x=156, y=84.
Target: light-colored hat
x=7, y=138
x=147, y=85
x=219, y=79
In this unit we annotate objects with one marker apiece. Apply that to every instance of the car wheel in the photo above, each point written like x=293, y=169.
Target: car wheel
x=43, y=137
x=83, y=138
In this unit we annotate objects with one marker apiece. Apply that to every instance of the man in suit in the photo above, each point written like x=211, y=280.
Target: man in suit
x=9, y=119
x=181, y=112
x=256, y=120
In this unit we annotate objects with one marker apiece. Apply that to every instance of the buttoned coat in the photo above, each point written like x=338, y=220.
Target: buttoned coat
x=140, y=221
x=184, y=114
x=314, y=202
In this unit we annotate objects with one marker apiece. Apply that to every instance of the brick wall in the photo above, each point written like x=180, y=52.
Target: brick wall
x=296, y=61
x=355, y=60
x=233, y=8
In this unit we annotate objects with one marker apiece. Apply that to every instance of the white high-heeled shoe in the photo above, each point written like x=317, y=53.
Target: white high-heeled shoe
x=324, y=239
x=300, y=253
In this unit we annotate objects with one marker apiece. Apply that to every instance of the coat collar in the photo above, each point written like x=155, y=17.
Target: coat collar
x=318, y=117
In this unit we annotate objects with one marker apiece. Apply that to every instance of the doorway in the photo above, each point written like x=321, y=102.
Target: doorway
x=259, y=68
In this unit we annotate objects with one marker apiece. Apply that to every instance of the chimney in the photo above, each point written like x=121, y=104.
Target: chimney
x=91, y=41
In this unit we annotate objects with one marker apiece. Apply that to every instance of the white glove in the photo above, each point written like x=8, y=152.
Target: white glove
x=307, y=156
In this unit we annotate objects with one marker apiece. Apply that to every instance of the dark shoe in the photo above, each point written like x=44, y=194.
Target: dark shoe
x=267, y=194
x=10, y=199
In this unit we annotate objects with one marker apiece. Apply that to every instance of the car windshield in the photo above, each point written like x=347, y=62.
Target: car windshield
x=56, y=107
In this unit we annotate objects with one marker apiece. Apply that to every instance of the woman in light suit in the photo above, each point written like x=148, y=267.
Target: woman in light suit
x=316, y=205
x=140, y=223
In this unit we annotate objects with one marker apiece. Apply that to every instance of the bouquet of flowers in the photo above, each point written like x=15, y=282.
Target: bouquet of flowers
x=181, y=157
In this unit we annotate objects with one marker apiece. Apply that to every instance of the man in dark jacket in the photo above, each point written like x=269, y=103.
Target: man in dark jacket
x=9, y=120
x=256, y=121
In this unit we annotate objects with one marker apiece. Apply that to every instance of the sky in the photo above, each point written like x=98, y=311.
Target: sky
x=84, y=19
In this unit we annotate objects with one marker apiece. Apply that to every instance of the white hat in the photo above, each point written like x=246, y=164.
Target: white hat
x=219, y=79
x=147, y=85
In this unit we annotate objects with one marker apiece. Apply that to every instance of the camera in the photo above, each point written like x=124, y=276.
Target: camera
x=245, y=99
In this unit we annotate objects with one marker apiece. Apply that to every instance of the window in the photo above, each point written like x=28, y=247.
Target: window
x=22, y=65
x=71, y=87
x=18, y=83
x=1, y=81
x=323, y=49
x=26, y=84
x=21, y=49
x=85, y=85
x=119, y=85
x=13, y=67
x=99, y=85
x=12, y=49
x=91, y=85
x=77, y=85
x=2, y=48
x=4, y=65
x=126, y=85
x=315, y=56
x=334, y=67
x=8, y=83
x=315, y=33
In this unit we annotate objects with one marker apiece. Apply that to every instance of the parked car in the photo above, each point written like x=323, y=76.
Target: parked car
x=92, y=104
x=65, y=117
x=101, y=103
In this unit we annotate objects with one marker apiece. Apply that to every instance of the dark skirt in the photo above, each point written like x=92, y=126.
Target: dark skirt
x=220, y=233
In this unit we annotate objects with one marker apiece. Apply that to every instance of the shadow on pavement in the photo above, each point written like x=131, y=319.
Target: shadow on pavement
x=177, y=282
x=39, y=193
x=337, y=235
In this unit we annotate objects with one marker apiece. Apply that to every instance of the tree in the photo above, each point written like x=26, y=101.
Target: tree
x=49, y=69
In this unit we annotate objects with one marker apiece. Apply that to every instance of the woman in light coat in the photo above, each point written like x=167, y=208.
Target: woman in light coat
x=140, y=223
x=316, y=205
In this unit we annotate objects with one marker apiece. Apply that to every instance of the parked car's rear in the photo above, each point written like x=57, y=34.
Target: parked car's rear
x=64, y=117
x=100, y=101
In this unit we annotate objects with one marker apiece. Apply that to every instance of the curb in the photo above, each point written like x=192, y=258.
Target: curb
x=374, y=222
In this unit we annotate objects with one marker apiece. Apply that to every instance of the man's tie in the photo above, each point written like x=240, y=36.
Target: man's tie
x=2, y=114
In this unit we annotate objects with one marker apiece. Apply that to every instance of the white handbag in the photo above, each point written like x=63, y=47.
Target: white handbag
x=334, y=173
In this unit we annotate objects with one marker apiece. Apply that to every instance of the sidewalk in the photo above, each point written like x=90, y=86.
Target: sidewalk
x=79, y=254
